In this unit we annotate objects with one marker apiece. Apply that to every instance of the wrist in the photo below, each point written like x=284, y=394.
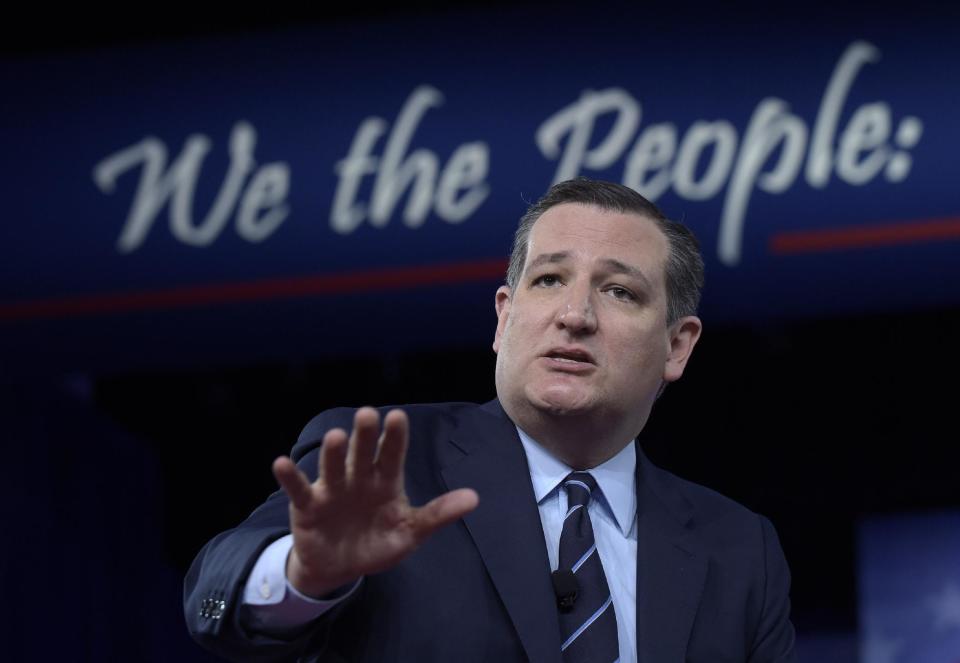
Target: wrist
x=307, y=583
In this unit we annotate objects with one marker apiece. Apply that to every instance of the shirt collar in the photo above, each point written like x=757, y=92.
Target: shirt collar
x=616, y=478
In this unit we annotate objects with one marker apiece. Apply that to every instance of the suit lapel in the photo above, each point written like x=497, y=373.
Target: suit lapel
x=670, y=569
x=494, y=464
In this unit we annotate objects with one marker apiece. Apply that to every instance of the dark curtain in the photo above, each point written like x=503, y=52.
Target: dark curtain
x=83, y=570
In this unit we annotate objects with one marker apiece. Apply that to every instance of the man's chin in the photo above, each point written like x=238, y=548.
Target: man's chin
x=564, y=404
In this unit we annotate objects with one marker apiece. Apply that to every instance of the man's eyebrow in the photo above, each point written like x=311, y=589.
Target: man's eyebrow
x=549, y=258
x=618, y=267
x=615, y=266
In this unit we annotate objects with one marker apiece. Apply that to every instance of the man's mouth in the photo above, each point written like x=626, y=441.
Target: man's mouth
x=570, y=356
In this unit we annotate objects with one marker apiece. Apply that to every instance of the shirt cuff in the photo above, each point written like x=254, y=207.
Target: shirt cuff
x=272, y=603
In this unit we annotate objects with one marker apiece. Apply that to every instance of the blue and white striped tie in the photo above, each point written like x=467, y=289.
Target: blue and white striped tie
x=589, y=630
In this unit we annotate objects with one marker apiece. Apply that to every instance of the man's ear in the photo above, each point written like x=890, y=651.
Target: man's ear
x=503, y=312
x=684, y=334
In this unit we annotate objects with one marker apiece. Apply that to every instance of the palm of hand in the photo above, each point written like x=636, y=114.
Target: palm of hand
x=355, y=519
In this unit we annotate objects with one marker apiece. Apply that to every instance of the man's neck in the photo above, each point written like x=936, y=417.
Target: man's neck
x=577, y=441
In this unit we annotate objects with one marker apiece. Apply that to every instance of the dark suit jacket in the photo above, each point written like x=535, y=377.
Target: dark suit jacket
x=712, y=582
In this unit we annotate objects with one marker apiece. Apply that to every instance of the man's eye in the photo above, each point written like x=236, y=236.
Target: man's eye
x=621, y=293
x=547, y=280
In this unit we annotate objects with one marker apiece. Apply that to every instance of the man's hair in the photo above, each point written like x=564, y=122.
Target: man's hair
x=684, y=268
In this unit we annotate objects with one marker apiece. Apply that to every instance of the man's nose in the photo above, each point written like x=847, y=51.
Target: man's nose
x=576, y=313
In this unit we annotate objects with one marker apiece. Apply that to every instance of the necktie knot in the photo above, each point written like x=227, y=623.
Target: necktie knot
x=580, y=487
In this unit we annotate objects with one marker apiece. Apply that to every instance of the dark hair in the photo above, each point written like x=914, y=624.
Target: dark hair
x=684, y=269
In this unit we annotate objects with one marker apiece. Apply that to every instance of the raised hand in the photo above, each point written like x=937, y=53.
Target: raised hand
x=355, y=519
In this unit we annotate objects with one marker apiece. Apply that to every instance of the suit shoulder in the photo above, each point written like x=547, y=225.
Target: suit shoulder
x=709, y=501
x=709, y=510
x=743, y=543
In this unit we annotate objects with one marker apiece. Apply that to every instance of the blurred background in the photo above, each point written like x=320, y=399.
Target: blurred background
x=217, y=225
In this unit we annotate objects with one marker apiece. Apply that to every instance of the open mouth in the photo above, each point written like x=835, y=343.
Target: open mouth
x=572, y=356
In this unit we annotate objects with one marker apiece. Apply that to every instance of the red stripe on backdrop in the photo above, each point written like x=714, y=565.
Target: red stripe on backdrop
x=856, y=237
x=276, y=288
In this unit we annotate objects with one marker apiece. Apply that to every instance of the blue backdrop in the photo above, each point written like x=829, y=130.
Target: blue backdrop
x=324, y=190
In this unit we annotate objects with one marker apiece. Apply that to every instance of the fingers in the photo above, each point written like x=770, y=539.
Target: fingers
x=366, y=457
x=393, y=448
x=363, y=443
x=444, y=510
x=333, y=453
x=293, y=481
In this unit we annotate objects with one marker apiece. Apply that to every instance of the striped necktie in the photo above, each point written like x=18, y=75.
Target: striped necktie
x=589, y=629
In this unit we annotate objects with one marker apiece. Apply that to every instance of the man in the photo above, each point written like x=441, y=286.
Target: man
x=545, y=534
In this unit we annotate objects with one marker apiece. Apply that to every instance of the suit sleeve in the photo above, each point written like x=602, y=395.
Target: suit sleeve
x=774, y=640
x=214, y=584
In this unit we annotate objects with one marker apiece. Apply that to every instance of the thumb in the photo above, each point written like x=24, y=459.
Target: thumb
x=444, y=510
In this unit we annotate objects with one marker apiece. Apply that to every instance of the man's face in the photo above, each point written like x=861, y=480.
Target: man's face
x=585, y=332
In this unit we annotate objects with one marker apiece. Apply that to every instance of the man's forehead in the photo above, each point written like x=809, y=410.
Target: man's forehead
x=622, y=241
x=571, y=216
